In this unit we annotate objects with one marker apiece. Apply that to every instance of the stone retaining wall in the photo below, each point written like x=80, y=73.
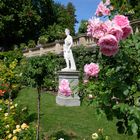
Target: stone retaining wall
x=57, y=46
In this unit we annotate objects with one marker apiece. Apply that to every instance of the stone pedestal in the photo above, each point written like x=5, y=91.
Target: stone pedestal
x=73, y=78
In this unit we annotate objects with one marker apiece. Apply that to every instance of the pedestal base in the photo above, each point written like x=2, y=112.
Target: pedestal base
x=73, y=78
x=67, y=101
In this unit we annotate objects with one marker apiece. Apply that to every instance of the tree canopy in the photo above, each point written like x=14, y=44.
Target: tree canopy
x=26, y=20
x=130, y=8
x=83, y=26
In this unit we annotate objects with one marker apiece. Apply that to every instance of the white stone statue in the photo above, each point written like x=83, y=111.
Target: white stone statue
x=68, y=56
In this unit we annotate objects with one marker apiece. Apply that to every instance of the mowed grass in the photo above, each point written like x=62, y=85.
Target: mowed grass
x=78, y=121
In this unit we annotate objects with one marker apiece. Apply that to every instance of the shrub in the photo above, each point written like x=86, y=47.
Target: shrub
x=115, y=90
x=31, y=44
x=43, y=39
x=55, y=63
x=14, y=125
x=49, y=63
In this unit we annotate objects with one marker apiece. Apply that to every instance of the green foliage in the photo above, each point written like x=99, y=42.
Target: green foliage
x=23, y=46
x=31, y=44
x=18, y=22
x=66, y=17
x=115, y=89
x=52, y=63
x=45, y=8
x=55, y=32
x=41, y=71
x=11, y=56
x=81, y=55
x=83, y=26
x=130, y=8
x=72, y=17
x=12, y=63
x=28, y=20
x=43, y=39
x=14, y=125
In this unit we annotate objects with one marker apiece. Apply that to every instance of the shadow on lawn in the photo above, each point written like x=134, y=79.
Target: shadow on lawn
x=62, y=134
x=33, y=117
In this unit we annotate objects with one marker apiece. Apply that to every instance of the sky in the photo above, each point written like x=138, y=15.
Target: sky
x=85, y=9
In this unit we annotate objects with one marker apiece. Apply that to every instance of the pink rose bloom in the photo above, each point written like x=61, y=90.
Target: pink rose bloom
x=117, y=32
x=99, y=31
x=121, y=20
x=96, y=28
x=126, y=31
x=108, y=23
x=64, y=88
x=91, y=69
x=108, y=45
x=85, y=81
x=114, y=29
x=107, y=2
x=92, y=23
x=106, y=11
x=102, y=10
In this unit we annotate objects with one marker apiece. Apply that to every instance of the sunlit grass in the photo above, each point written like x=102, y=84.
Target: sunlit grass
x=80, y=122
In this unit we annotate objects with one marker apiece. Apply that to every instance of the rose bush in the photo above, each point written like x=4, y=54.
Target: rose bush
x=109, y=33
x=117, y=88
x=91, y=69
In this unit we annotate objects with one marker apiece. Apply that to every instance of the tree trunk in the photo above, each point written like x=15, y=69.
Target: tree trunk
x=38, y=112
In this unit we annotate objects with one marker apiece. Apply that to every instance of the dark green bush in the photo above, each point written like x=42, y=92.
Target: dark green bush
x=54, y=63
x=48, y=63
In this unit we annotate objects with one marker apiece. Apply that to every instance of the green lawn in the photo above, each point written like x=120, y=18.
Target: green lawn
x=79, y=121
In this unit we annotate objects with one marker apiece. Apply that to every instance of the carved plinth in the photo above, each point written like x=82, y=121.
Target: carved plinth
x=73, y=78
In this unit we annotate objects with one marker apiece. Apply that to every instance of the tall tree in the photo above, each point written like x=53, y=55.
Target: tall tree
x=65, y=18
x=18, y=21
x=72, y=17
x=45, y=8
x=25, y=20
x=83, y=26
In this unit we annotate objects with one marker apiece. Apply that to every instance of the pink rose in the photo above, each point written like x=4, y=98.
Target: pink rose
x=64, y=88
x=117, y=32
x=91, y=69
x=107, y=2
x=102, y=10
x=121, y=20
x=114, y=29
x=92, y=24
x=108, y=45
x=99, y=31
x=96, y=28
x=126, y=31
x=106, y=11
x=85, y=81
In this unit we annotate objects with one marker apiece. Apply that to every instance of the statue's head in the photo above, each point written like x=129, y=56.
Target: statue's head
x=67, y=31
